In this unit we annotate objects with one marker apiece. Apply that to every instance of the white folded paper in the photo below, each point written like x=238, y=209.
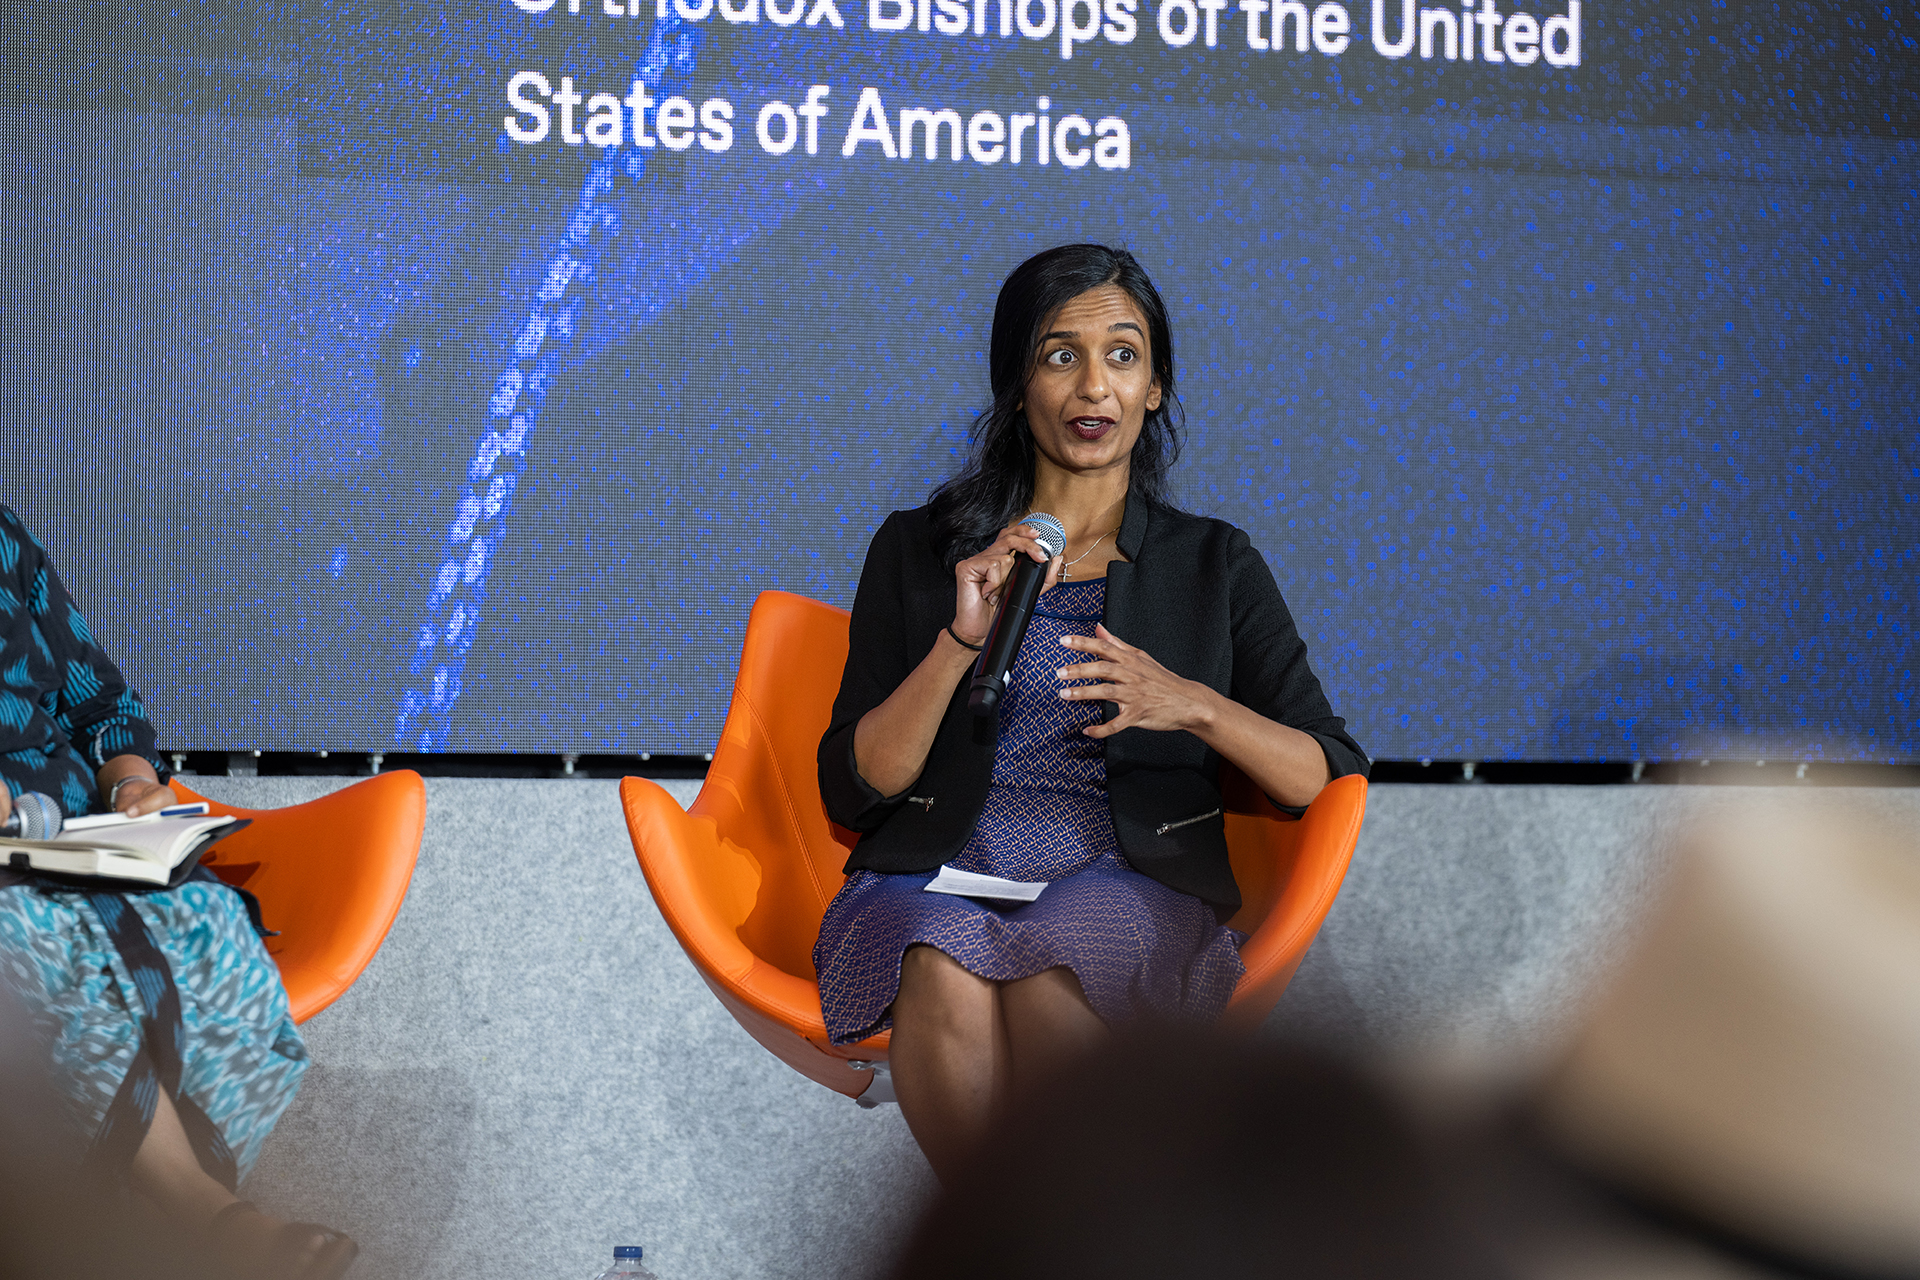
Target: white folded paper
x=967, y=884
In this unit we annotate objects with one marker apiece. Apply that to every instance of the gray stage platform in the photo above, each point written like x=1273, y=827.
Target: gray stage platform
x=530, y=1072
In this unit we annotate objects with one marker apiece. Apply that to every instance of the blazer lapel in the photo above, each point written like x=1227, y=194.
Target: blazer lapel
x=1128, y=616
x=1126, y=612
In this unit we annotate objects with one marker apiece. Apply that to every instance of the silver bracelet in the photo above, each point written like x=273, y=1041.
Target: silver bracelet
x=113, y=796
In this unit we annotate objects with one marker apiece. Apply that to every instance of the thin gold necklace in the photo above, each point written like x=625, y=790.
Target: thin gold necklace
x=1066, y=570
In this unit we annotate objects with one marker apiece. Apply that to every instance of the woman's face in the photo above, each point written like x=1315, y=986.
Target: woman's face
x=1092, y=384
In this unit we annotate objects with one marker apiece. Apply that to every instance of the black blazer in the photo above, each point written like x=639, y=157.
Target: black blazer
x=1192, y=592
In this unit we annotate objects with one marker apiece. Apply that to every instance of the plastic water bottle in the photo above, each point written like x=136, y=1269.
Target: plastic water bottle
x=626, y=1265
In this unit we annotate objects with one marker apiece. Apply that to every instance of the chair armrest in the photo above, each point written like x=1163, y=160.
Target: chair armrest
x=1327, y=833
x=330, y=874
x=705, y=887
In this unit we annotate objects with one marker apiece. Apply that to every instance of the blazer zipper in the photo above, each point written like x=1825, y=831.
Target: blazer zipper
x=1165, y=827
x=925, y=803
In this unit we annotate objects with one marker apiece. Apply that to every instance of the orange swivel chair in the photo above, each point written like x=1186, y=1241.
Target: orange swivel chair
x=330, y=875
x=744, y=876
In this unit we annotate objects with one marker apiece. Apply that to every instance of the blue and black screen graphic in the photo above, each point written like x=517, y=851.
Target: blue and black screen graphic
x=452, y=378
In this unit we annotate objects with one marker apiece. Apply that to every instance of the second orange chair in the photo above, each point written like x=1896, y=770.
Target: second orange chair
x=745, y=874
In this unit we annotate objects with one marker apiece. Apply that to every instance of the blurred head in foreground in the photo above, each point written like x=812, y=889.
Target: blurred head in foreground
x=1204, y=1157
x=55, y=1222
x=1756, y=1069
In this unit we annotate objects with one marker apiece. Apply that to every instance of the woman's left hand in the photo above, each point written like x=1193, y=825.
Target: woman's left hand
x=1148, y=695
x=138, y=796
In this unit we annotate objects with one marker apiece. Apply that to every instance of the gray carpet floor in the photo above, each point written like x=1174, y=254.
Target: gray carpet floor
x=530, y=1071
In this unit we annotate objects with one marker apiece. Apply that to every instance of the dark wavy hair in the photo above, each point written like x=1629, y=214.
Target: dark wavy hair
x=996, y=485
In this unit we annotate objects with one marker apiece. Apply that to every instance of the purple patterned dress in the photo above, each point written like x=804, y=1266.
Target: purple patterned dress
x=1138, y=947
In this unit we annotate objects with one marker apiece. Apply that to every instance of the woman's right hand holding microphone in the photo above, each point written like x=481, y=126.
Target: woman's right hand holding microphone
x=978, y=581
x=891, y=742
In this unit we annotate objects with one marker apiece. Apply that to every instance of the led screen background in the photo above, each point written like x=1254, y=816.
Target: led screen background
x=1574, y=406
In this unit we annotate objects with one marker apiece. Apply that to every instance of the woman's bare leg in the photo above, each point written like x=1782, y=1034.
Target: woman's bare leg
x=167, y=1173
x=1049, y=1024
x=948, y=1057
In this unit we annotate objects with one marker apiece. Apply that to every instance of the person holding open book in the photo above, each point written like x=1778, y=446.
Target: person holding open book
x=1159, y=649
x=166, y=1023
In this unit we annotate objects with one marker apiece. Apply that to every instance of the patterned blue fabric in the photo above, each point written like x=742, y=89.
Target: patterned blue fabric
x=1138, y=947
x=241, y=1057
x=65, y=709
x=199, y=1010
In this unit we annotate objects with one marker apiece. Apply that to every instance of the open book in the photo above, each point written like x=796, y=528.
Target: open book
x=150, y=849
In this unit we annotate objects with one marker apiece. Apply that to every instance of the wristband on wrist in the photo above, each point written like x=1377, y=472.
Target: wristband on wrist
x=113, y=795
x=957, y=640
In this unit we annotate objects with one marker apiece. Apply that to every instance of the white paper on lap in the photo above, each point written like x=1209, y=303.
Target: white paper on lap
x=968, y=884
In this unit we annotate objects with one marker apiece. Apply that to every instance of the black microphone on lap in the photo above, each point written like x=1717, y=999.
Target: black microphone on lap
x=34, y=817
x=1010, y=623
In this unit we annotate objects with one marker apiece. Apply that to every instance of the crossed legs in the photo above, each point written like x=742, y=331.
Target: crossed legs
x=962, y=1044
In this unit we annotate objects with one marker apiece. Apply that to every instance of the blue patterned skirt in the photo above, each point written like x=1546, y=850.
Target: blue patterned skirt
x=241, y=1056
x=1138, y=947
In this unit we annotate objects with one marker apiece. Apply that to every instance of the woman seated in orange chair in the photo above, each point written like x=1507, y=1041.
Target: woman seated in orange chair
x=1160, y=647
x=165, y=1018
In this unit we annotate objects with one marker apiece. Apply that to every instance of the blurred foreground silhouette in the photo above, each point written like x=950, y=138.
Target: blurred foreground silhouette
x=1754, y=1072
x=56, y=1222
x=1206, y=1156
x=1739, y=1101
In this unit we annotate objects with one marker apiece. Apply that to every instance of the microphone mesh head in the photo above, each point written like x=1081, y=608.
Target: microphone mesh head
x=40, y=817
x=1050, y=533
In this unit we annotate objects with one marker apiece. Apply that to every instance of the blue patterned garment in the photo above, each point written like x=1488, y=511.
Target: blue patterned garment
x=200, y=1011
x=241, y=1058
x=65, y=710
x=1138, y=947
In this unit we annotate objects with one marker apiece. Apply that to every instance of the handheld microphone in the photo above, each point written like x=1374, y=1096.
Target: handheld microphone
x=34, y=817
x=1010, y=623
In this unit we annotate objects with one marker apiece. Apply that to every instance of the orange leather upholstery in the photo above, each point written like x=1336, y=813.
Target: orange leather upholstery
x=744, y=876
x=330, y=875
x=1289, y=870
